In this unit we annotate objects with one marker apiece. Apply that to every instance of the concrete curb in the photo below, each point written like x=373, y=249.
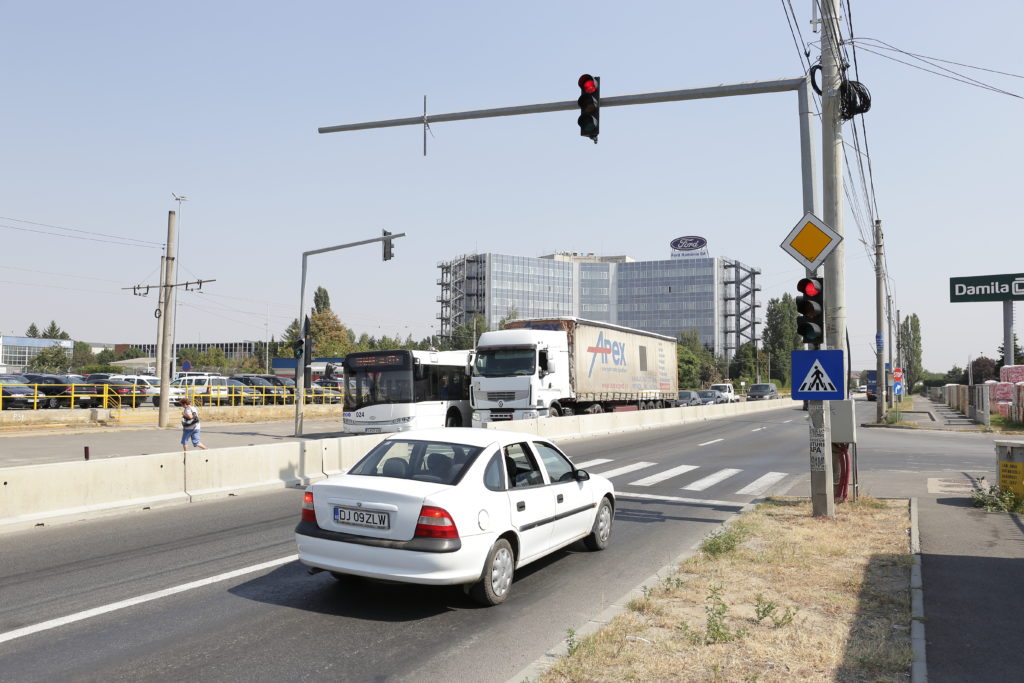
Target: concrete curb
x=918, y=644
x=540, y=665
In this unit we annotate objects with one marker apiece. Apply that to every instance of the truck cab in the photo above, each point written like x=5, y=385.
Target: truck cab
x=519, y=374
x=726, y=390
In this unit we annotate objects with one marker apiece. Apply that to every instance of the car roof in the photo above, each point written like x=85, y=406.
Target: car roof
x=466, y=436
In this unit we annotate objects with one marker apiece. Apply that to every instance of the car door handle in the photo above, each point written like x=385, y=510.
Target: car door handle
x=560, y=498
x=520, y=506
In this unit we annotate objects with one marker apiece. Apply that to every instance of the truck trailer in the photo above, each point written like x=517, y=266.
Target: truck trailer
x=548, y=367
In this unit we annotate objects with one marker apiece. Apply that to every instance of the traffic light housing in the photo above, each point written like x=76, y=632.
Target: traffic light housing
x=810, y=304
x=297, y=347
x=590, y=106
x=388, y=245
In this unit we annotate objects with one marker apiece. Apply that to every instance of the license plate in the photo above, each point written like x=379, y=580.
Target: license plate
x=373, y=430
x=366, y=518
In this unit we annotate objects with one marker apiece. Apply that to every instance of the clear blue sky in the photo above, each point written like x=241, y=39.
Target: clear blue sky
x=109, y=107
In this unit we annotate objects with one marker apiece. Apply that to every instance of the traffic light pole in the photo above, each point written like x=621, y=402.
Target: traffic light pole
x=300, y=372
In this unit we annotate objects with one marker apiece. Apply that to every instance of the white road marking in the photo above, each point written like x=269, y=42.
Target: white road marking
x=708, y=443
x=591, y=463
x=759, y=486
x=626, y=469
x=757, y=429
x=711, y=480
x=676, y=499
x=662, y=476
x=131, y=602
x=786, y=421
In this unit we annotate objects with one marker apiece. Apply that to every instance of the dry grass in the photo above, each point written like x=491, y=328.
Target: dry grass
x=796, y=598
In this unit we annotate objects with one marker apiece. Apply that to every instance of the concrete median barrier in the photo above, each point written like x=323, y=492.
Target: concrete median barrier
x=31, y=495
x=216, y=473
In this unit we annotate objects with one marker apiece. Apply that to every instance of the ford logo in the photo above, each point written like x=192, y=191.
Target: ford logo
x=689, y=243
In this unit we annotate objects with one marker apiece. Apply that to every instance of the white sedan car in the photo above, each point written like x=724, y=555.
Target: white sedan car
x=453, y=506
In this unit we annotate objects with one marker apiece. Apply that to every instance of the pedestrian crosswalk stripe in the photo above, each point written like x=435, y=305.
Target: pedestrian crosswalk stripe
x=591, y=463
x=677, y=499
x=759, y=486
x=626, y=469
x=662, y=476
x=817, y=379
x=711, y=480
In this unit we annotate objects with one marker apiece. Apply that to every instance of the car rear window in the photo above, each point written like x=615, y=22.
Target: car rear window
x=761, y=387
x=431, y=461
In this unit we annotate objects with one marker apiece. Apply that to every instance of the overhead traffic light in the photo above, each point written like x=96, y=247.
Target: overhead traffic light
x=590, y=106
x=297, y=347
x=810, y=304
x=388, y=245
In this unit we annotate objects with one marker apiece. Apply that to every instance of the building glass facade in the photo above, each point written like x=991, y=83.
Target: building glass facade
x=17, y=352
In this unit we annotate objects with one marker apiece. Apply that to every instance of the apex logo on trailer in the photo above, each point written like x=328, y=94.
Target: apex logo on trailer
x=606, y=348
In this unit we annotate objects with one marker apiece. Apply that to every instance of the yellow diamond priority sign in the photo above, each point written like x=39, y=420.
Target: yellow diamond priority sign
x=811, y=241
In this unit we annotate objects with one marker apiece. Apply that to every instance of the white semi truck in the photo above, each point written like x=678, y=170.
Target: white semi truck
x=547, y=367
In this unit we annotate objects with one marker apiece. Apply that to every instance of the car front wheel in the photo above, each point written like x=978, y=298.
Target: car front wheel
x=496, y=583
x=601, y=532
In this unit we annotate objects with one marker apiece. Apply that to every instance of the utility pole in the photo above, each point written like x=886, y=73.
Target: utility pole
x=885, y=385
x=167, y=316
x=879, y=330
x=899, y=341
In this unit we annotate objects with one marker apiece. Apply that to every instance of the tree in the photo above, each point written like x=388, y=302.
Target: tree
x=982, y=370
x=54, y=332
x=510, y=315
x=742, y=366
x=130, y=353
x=955, y=375
x=465, y=336
x=32, y=331
x=51, y=359
x=1018, y=353
x=697, y=365
x=321, y=300
x=105, y=357
x=780, y=337
x=82, y=355
x=291, y=333
x=330, y=337
x=910, y=350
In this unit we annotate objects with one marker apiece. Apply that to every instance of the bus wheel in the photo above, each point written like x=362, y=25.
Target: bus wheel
x=454, y=419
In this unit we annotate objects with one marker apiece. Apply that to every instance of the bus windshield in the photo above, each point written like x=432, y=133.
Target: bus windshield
x=374, y=378
x=501, y=362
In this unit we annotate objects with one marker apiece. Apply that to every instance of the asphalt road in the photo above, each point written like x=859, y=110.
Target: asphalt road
x=279, y=623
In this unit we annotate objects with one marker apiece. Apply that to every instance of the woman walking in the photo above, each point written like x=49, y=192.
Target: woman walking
x=189, y=426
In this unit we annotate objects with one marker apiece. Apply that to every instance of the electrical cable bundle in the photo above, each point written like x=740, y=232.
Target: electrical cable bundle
x=854, y=97
x=842, y=486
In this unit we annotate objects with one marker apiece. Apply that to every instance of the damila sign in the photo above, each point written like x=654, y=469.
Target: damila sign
x=987, y=288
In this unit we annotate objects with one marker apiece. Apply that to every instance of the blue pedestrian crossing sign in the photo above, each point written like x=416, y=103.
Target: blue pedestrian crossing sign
x=818, y=375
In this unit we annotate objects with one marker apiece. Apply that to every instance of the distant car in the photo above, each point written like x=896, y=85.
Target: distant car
x=761, y=392
x=121, y=393
x=862, y=388
x=319, y=393
x=287, y=382
x=712, y=397
x=61, y=390
x=151, y=387
x=270, y=393
x=450, y=507
x=243, y=394
x=14, y=393
x=204, y=388
x=689, y=398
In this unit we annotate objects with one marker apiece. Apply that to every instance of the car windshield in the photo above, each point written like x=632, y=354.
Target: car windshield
x=11, y=382
x=431, y=461
x=685, y=394
x=368, y=387
x=707, y=393
x=720, y=387
x=286, y=381
x=761, y=387
x=506, y=361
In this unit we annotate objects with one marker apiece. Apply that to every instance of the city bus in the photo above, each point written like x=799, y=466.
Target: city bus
x=399, y=390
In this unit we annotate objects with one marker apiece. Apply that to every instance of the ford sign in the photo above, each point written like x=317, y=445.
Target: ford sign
x=689, y=243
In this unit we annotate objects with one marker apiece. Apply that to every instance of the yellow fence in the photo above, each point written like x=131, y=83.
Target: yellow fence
x=77, y=396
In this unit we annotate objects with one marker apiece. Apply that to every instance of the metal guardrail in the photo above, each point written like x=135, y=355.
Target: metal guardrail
x=73, y=396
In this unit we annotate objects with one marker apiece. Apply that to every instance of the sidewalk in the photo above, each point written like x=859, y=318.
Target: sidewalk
x=972, y=568
x=928, y=415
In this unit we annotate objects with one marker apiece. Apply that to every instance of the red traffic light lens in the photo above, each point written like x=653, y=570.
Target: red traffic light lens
x=588, y=84
x=809, y=286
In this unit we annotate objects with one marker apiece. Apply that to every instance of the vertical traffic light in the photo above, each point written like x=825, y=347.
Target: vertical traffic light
x=388, y=245
x=297, y=347
x=590, y=106
x=810, y=304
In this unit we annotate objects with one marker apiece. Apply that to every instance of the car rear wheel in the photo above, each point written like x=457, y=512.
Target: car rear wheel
x=601, y=532
x=496, y=583
x=53, y=403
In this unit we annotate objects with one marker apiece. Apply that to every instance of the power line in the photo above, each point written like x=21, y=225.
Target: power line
x=966, y=80
x=76, y=237
x=86, y=232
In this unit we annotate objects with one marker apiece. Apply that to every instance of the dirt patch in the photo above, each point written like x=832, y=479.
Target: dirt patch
x=778, y=595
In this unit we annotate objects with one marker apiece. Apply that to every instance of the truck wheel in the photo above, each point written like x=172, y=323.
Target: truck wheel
x=554, y=411
x=454, y=419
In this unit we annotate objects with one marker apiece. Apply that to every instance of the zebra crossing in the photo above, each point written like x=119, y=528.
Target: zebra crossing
x=757, y=487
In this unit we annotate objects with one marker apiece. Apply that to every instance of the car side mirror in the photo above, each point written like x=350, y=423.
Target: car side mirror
x=582, y=475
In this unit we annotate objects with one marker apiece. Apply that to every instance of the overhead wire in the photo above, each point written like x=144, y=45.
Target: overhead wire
x=87, y=232
x=116, y=241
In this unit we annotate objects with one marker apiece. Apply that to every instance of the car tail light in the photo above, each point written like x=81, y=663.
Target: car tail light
x=308, y=514
x=435, y=523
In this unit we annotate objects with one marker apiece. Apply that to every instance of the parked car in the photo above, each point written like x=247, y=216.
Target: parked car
x=61, y=390
x=14, y=393
x=287, y=382
x=242, y=394
x=320, y=393
x=444, y=506
x=100, y=375
x=118, y=393
x=761, y=392
x=711, y=397
x=204, y=389
x=689, y=398
x=151, y=387
x=270, y=393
